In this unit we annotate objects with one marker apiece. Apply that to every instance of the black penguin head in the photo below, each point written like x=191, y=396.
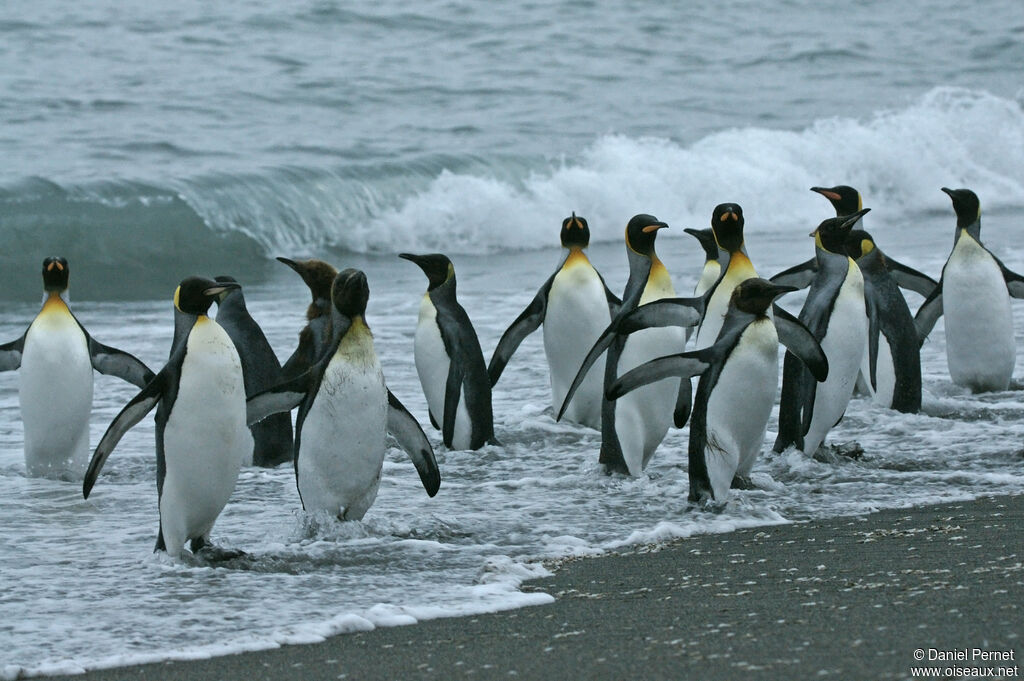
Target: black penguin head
x=859, y=243
x=755, y=295
x=350, y=293
x=845, y=199
x=318, y=275
x=575, y=232
x=727, y=224
x=436, y=266
x=55, y=274
x=706, y=237
x=225, y=279
x=195, y=294
x=831, y=234
x=641, y=232
x=966, y=205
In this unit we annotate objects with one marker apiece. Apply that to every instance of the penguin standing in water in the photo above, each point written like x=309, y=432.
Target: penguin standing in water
x=974, y=295
x=314, y=337
x=346, y=411
x=202, y=438
x=739, y=378
x=634, y=426
x=261, y=370
x=56, y=357
x=449, y=361
x=712, y=265
x=835, y=313
x=892, y=365
x=575, y=306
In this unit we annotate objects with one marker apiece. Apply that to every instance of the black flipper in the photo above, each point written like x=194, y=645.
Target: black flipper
x=1014, y=281
x=526, y=323
x=871, y=306
x=452, y=396
x=684, y=312
x=909, y=278
x=928, y=314
x=799, y=276
x=133, y=412
x=614, y=302
x=790, y=405
x=10, y=354
x=284, y=396
x=113, y=362
x=801, y=343
x=433, y=421
x=406, y=430
x=684, y=404
x=684, y=365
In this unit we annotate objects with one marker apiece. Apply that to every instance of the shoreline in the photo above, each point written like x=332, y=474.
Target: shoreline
x=846, y=597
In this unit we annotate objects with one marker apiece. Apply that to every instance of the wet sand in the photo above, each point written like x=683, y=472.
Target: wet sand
x=845, y=598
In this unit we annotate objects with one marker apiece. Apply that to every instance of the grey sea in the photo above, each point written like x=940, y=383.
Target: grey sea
x=147, y=143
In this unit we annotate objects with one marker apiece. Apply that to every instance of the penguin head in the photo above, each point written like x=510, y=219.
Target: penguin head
x=55, y=274
x=831, y=234
x=641, y=232
x=195, y=294
x=706, y=237
x=350, y=292
x=859, y=243
x=575, y=232
x=755, y=295
x=318, y=275
x=727, y=225
x=845, y=199
x=225, y=279
x=966, y=205
x=436, y=266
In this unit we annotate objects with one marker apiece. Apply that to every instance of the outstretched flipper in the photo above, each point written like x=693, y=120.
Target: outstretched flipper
x=801, y=342
x=282, y=397
x=1014, y=281
x=10, y=354
x=909, y=278
x=799, y=276
x=133, y=412
x=684, y=365
x=113, y=362
x=682, y=312
x=928, y=314
x=526, y=323
x=406, y=430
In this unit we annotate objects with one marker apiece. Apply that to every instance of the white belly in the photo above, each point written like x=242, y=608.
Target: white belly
x=342, y=442
x=738, y=271
x=576, y=315
x=844, y=345
x=55, y=392
x=432, y=366
x=739, y=406
x=206, y=440
x=979, y=320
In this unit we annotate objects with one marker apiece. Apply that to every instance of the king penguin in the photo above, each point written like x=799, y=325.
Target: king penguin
x=634, y=426
x=575, y=306
x=739, y=376
x=449, y=360
x=892, y=366
x=261, y=370
x=314, y=337
x=202, y=438
x=974, y=295
x=56, y=357
x=835, y=313
x=345, y=412
x=712, y=260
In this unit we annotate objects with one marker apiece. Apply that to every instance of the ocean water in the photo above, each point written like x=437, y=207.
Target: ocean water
x=146, y=144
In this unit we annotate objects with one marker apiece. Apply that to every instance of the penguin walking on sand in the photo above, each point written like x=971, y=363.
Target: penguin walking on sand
x=575, y=306
x=272, y=437
x=202, y=438
x=836, y=315
x=739, y=376
x=315, y=336
x=449, y=360
x=56, y=357
x=345, y=414
x=891, y=369
x=974, y=295
x=634, y=426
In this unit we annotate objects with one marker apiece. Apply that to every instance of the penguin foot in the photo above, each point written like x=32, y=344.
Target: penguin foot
x=837, y=453
x=742, y=482
x=215, y=554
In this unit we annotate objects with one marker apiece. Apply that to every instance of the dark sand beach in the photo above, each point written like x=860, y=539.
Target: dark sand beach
x=845, y=598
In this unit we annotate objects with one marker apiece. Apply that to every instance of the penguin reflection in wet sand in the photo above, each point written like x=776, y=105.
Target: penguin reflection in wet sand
x=575, y=306
x=202, y=438
x=345, y=414
x=739, y=378
x=974, y=295
x=314, y=337
x=835, y=313
x=261, y=369
x=449, y=361
x=56, y=357
x=634, y=426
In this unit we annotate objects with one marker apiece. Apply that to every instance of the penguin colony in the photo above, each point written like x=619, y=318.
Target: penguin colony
x=223, y=399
